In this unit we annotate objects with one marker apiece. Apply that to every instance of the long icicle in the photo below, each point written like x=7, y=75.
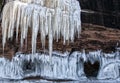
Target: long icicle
x=64, y=22
x=35, y=29
x=50, y=34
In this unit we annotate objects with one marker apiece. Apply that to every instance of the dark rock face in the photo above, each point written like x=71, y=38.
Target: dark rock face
x=101, y=12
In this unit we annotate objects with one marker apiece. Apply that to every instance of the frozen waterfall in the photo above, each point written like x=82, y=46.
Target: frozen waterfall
x=52, y=18
x=62, y=66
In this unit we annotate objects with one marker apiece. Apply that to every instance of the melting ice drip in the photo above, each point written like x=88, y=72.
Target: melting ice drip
x=52, y=18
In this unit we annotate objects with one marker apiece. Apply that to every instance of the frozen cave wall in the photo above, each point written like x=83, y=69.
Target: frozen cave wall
x=64, y=66
x=60, y=67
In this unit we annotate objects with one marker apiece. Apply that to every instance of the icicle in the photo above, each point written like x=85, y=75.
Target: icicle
x=35, y=29
x=64, y=28
x=18, y=22
x=22, y=25
x=5, y=33
x=42, y=26
x=14, y=18
x=5, y=23
x=57, y=18
x=45, y=22
x=50, y=33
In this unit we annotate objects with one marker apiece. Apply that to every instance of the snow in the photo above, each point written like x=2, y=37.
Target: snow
x=52, y=18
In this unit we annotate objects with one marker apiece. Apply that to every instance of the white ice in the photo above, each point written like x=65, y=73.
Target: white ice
x=55, y=19
x=62, y=66
x=52, y=18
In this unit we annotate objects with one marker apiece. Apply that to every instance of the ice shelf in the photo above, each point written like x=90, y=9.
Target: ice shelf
x=62, y=66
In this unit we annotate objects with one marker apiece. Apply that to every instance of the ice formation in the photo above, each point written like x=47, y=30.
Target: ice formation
x=63, y=66
x=52, y=18
x=55, y=19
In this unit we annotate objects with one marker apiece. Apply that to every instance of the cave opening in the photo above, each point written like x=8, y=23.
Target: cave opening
x=91, y=70
x=28, y=66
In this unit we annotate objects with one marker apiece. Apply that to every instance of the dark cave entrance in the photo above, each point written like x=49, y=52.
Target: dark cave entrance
x=28, y=66
x=91, y=70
